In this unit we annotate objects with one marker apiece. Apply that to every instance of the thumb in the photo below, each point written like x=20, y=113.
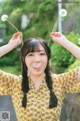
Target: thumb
x=20, y=37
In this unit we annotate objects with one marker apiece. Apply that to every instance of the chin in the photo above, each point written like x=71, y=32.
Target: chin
x=38, y=73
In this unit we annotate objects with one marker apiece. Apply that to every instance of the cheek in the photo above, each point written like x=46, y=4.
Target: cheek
x=28, y=63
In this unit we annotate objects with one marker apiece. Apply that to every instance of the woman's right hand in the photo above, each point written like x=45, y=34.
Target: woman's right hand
x=16, y=39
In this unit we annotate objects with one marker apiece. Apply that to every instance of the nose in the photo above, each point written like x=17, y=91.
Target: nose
x=37, y=58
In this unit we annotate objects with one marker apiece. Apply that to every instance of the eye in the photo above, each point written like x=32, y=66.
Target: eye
x=30, y=54
x=42, y=53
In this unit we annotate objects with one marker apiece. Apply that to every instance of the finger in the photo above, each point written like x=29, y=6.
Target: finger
x=57, y=34
x=16, y=35
x=52, y=37
x=51, y=32
x=54, y=33
x=19, y=39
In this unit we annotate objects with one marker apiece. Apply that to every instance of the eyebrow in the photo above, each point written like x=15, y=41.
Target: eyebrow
x=38, y=51
x=41, y=50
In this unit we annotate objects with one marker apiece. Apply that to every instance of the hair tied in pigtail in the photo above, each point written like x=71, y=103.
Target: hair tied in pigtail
x=53, y=99
x=24, y=101
x=25, y=85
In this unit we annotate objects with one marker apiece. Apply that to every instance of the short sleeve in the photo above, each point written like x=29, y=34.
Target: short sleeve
x=69, y=81
x=7, y=82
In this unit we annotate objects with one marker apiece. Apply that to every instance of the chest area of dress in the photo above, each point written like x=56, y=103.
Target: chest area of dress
x=37, y=106
x=35, y=98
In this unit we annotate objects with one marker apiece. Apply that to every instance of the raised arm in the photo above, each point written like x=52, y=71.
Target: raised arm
x=63, y=41
x=14, y=42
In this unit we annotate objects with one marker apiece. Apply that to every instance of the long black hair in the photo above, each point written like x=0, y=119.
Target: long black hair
x=32, y=45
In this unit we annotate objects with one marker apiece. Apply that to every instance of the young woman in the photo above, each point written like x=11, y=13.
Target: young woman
x=14, y=41
x=38, y=95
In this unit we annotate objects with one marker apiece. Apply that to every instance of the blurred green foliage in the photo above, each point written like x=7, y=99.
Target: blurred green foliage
x=75, y=64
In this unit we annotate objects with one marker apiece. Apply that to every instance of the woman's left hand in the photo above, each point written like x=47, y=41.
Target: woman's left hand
x=57, y=37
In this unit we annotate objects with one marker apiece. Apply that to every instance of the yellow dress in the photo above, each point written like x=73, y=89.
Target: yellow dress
x=38, y=100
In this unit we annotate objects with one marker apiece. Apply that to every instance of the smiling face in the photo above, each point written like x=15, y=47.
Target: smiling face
x=35, y=54
x=36, y=61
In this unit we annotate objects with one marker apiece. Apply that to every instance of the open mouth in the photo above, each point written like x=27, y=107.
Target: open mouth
x=37, y=68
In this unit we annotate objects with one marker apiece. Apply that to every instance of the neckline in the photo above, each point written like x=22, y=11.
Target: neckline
x=33, y=86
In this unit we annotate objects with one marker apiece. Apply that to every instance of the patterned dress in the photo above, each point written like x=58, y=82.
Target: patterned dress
x=38, y=100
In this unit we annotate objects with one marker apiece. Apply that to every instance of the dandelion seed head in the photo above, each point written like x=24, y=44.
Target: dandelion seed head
x=63, y=12
x=4, y=17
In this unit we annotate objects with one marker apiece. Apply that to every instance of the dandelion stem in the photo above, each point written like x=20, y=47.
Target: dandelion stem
x=12, y=25
x=54, y=28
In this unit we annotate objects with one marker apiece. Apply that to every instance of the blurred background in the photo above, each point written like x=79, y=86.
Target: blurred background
x=37, y=18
